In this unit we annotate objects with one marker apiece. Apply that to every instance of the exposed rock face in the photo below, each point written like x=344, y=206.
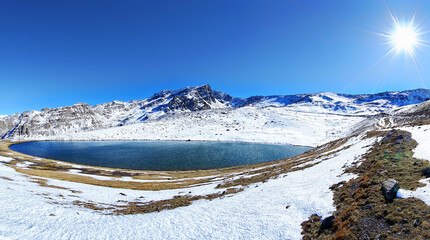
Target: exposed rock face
x=84, y=117
x=389, y=189
x=54, y=121
x=8, y=122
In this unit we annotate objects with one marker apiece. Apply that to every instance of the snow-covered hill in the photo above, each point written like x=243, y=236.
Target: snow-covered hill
x=201, y=113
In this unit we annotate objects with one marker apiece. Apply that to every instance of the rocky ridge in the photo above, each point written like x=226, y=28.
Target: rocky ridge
x=84, y=117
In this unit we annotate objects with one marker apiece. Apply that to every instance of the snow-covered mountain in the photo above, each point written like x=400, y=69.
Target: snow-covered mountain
x=84, y=117
x=175, y=104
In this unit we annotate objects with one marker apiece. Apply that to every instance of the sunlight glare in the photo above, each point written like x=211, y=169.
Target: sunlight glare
x=404, y=38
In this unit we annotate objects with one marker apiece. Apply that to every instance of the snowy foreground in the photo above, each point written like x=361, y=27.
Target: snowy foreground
x=28, y=210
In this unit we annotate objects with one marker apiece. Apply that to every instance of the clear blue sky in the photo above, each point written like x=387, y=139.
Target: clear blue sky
x=56, y=53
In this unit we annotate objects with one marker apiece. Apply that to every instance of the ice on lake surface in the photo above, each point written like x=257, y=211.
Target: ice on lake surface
x=159, y=155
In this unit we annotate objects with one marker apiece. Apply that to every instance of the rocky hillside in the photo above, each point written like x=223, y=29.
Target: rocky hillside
x=84, y=117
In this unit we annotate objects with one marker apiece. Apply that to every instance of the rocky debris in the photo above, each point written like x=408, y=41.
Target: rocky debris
x=389, y=189
x=426, y=172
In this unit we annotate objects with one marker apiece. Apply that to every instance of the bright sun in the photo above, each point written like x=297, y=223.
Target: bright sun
x=404, y=38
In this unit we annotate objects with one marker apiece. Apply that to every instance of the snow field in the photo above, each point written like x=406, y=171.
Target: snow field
x=247, y=124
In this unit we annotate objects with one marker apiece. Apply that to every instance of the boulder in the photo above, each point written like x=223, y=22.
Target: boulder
x=426, y=172
x=327, y=223
x=389, y=189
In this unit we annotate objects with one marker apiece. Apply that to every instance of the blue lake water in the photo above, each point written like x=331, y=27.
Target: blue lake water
x=159, y=155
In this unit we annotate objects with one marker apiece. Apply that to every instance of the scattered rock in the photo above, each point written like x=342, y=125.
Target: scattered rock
x=327, y=223
x=52, y=215
x=417, y=164
x=426, y=172
x=389, y=189
x=123, y=194
x=288, y=206
x=417, y=222
x=368, y=207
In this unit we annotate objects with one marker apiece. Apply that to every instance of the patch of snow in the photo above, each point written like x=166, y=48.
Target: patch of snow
x=422, y=193
x=421, y=134
x=5, y=159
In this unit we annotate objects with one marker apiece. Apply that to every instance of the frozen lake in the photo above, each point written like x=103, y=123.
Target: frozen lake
x=159, y=155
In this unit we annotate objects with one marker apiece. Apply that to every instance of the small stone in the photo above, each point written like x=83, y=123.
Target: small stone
x=315, y=218
x=368, y=207
x=417, y=164
x=417, y=222
x=389, y=189
x=288, y=206
x=123, y=194
x=52, y=215
x=399, y=209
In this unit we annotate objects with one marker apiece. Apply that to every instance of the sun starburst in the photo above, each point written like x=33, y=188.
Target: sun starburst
x=404, y=36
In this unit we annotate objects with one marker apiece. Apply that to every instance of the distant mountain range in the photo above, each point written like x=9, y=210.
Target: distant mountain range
x=84, y=117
